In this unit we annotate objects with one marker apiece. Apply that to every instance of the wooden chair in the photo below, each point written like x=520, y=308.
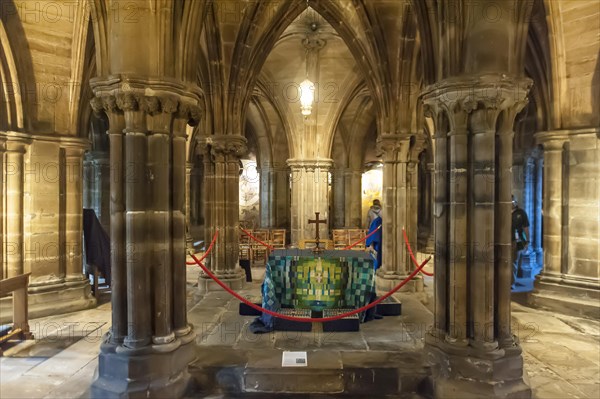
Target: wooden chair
x=340, y=239
x=259, y=251
x=355, y=235
x=247, y=224
x=18, y=287
x=245, y=246
x=97, y=289
x=278, y=239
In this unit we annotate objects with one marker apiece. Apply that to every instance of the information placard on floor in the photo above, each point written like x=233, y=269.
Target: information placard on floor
x=294, y=359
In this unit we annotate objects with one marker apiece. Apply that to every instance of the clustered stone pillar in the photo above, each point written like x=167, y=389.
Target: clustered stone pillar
x=150, y=339
x=310, y=185
x=396, y=211
x=353, y=194
x=471, y=339
x=221, y=204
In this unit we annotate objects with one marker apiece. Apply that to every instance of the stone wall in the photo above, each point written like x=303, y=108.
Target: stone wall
x=42, y=223
x=582, y=206
x=571, y=218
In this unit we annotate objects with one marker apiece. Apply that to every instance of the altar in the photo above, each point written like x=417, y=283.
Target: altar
x=317, y=282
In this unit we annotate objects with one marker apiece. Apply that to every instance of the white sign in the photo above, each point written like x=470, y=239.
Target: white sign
x=294, y=359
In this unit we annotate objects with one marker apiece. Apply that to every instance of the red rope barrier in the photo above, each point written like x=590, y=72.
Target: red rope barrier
x=362, y=239
x=412, y=256
x=208, y=250
x=257, y=240
x=309, y=319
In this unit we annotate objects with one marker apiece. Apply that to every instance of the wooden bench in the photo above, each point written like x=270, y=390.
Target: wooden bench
x=18, y=287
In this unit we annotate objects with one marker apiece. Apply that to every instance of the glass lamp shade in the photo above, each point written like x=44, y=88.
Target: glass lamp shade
x=307, y=95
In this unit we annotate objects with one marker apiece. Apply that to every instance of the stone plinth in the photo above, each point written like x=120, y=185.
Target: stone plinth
x=464, y=375
x=157, y=371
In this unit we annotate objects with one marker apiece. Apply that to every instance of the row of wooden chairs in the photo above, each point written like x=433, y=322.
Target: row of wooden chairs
x=342, y=238
x=253, y=251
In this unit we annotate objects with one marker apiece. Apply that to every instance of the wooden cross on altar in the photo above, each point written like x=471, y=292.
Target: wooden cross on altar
x=317, y=221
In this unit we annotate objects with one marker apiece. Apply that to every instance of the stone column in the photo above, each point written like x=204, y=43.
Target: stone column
x=503, y=225
x=88, y=181
x=2, y=213
x=309, y=195
x=553, y=143
x=14, y=172
x=267, y=197
x=396, y=211
x=539, y=195
x=440, y=217
x=281, y=196
x=222, y=174
x=102, y=190
x=115, y=133
x=471, y=339
x=96, y=186
x=353, y=217
x=429, y=199
x=412, y=225
x=339, y=198
x=185, y=113
x=149, y=346
x=188, y=201
x=72, y=249
x=484, y=220
x=529, y=207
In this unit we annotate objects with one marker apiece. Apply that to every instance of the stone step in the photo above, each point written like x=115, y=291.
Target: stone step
x=234, y=373
x=565, y=305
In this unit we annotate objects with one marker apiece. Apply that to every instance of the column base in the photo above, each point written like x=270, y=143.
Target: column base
x=567, y=295
x=386, y=281
x=55, y=297
x=234, y=279
x=158, y=371
x=458, y=373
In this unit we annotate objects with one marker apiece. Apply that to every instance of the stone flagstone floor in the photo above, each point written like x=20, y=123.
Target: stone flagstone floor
x=562, y=353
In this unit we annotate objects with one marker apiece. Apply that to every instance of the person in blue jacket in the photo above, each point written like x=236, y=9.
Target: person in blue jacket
x=374, y=244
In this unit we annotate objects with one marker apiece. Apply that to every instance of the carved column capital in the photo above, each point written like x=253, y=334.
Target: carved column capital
x=417, y=146
x=2, y=143
x=146, y=104
x=310, y=165
x=492, y=94
x=226, y=145
x=552, y=140
x=160, y=112
x=17, y=145
x=74, y=147
x=393, y=147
